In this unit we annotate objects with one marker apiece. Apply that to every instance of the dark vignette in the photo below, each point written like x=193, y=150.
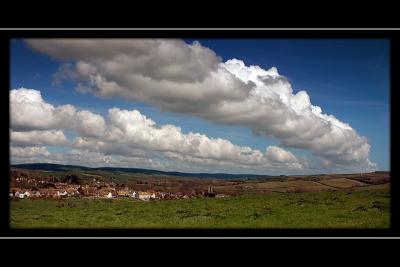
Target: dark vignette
x=5, y=38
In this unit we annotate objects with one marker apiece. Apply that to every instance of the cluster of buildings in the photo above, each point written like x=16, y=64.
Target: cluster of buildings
x=26, y=194
x=139, y=195
x=26, y=187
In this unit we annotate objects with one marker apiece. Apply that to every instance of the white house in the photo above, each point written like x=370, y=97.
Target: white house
x=62, y=194
x=144, y=196
x=109, y=195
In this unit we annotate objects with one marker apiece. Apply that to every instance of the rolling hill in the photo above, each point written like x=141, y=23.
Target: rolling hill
x=66, y=168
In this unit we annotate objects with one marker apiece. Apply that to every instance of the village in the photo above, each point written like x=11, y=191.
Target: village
x=39, y=184
x=23, y=186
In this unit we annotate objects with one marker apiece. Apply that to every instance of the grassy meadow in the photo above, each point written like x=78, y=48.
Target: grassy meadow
x=327, y=209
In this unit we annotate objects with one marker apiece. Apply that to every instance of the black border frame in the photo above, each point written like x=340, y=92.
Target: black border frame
x=6, y=35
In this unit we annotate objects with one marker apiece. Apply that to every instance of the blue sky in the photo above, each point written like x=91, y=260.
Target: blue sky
x=346, y=78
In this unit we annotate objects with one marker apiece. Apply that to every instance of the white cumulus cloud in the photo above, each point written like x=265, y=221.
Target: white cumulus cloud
x=278, y=154
x=29, y=152
x=128, y=134
x=30, y=112
x=35, y=137
x=192, y=79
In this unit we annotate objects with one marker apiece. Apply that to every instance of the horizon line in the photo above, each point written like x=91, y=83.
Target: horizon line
x=253, y=174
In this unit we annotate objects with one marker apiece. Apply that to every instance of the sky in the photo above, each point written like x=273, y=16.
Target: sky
x=265, y=106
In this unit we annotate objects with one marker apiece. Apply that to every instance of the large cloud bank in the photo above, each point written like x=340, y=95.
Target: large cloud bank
x=127, y=134
x=192, y=79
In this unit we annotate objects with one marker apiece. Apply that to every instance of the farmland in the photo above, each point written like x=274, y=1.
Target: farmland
x=328, y=209
x=314, y=201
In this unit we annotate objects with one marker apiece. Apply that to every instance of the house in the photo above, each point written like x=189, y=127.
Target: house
x=62, y=194
x=209, y=193
x=145, y=196
x=123, y=193
x=161, y=194
x=109, y=195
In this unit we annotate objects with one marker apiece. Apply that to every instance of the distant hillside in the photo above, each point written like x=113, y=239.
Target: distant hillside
x=59, y=167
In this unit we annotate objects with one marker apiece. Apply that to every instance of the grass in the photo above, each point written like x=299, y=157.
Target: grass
x=331, y=209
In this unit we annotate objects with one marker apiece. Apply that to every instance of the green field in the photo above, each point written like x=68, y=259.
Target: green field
x=329, y=209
